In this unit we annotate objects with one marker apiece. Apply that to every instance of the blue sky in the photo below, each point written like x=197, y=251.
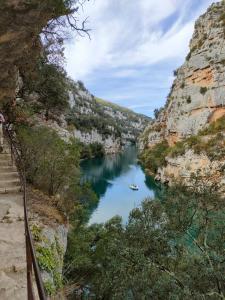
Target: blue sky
x=134, y=48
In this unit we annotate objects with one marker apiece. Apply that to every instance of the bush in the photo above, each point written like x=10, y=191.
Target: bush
x=51, y=164
x=215, y=127
x=203, y=90
x=51, y=86
x=157, y=112
x=177, y=150
x=189, y=100
x=92, y=150
x=160, y=251
x=175, y=73
x=155, y=157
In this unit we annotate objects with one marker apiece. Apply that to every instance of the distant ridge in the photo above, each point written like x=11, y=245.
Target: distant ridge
x=118, y=107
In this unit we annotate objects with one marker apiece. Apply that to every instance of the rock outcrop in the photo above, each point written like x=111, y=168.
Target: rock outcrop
x=89, y=119
x=20, y=25
x=49, y=229
x=197, y=97
x=99, y=121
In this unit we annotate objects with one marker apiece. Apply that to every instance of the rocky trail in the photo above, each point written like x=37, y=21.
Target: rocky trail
x=12, y=238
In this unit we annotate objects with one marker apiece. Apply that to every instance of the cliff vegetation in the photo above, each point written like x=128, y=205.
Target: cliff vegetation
x=192, y=121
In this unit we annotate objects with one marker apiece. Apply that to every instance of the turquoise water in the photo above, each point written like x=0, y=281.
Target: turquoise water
x=110, y=178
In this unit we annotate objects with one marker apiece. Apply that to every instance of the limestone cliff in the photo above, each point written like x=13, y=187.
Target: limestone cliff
x=49, y=229
x=99, y=121
x=197, y=97
x=88, y=119
x=21, y=22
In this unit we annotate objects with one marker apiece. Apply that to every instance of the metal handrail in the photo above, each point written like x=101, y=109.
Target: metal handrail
x=31, y=259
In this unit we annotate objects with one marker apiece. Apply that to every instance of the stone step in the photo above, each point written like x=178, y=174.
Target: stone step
x=10, y=190
x=13, y=286
x=5, y=169
x=6, y=183
x=9, y=175
x=5, y=156
x=12, y=232
x=4, y=162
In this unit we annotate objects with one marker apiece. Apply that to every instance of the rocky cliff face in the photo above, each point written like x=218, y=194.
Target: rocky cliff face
x=20, y=25
x=99, y=121
x=89, y=119
x=197, y=97
x=49, y=229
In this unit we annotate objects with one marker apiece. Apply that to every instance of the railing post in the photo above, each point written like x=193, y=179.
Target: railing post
x=30, y=292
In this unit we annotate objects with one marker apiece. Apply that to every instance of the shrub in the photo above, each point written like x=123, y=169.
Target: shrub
x=51, y=86
x=189, y=100
x=92, y=150
x=215, y=127
x=203, y=90
x=157, y=112
x=177, y=150
x=51, y=164
x=222, y=18
x=81, y=85
x=160, y=251
x=188, y=56
x=155, y=157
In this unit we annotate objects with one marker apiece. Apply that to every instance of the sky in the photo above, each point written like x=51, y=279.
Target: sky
x=134, y=48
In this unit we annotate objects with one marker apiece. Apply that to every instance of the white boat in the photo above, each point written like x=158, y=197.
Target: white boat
x=134, y=187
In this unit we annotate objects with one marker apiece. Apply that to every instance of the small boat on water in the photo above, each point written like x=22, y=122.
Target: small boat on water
x=134, y=187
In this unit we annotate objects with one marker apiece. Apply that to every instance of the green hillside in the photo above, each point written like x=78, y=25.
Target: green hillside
x=118, y=107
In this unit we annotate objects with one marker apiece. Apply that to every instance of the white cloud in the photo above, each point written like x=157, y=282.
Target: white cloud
x=128, y=36
x=123, y=33
x=127, y=33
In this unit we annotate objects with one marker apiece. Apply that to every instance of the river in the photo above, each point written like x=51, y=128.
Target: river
x=110, y=178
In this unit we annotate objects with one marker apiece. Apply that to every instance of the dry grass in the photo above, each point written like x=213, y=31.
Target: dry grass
x=45, y=207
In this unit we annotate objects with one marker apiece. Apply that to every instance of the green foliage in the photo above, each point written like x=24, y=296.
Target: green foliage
x=58, y=281
x=51, y=85
x=49, y=288
x=175, y=73
x=188, y=56
x=169, y=249
x=222, y=18
x=157, y=112
x=213, y=146
x=51, y=164
x=36, y=233
x=177, y=150
x=114, y=106
x=203, y=90
x=153, y=158
x=46, y=259
x=92, y=150
x=102, y=123
x=215, y=127
x=190, y=53
x=50, y=259
x=81, y=85
x=88, y=201
x=182, y=85
x=105, y=117
x=189, y=99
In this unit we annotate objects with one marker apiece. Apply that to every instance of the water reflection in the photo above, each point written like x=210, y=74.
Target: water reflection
x=110, y=178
